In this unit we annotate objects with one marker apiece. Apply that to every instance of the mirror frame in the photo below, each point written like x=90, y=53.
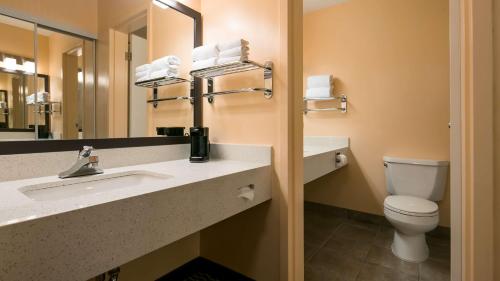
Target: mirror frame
x=39, y=146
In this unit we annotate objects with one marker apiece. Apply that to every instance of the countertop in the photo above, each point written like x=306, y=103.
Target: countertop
x=15, y=207
x=320, y=154
x=82, y=236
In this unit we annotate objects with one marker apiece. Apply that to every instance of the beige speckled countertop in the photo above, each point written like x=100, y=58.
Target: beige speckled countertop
x=320, y=155
x=82, y=236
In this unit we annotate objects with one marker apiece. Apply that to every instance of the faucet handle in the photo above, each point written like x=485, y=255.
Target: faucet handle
x=85, y=152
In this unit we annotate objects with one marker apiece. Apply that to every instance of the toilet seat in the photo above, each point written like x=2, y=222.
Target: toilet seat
x=411, y=206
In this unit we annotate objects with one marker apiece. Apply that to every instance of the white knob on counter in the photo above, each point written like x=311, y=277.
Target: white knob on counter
x=247, y=192
x=341, y=160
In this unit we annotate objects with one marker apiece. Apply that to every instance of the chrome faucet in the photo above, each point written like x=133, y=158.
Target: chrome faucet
x=87, y=164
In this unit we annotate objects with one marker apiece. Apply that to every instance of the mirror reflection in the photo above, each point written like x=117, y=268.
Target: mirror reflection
x=90, y=88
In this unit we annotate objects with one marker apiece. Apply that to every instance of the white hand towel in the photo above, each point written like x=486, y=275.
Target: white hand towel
x=233, y=44
x=234, y=52
x=204, y=63
x=319, y=81
x=231, y=59
x=205, y=52
x=319, y=92
x=142, y=68
x=167, y=60
x=164, y=73
x=41, y=97
x=142, y=78
x=142, y=73
x=158, y=67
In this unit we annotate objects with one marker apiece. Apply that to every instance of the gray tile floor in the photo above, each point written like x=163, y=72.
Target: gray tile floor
x=345, y=245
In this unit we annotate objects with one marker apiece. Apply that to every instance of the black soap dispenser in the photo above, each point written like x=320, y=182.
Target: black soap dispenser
x=200, y=145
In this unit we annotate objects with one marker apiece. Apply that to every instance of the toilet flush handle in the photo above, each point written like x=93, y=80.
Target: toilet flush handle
x=385, y=164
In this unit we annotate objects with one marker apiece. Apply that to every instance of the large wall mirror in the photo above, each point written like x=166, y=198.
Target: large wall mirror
x=58, y=85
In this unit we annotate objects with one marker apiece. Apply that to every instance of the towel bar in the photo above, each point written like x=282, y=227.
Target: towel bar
x=210, y=73
x=342, y=108
x=267, y=93
x=162, y=81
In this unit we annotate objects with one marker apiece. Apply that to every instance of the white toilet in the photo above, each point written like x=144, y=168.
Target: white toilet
x=414, y=187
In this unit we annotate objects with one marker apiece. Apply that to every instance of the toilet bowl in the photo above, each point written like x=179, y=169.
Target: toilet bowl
x=414, y=186
x=411, y=217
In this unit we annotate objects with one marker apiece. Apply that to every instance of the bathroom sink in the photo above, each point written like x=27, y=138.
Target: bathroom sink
x=91, y=185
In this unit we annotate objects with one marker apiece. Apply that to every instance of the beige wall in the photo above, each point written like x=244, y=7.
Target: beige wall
x=254, y=242
x=78, y=15
x=496, y=54
x=391, y=59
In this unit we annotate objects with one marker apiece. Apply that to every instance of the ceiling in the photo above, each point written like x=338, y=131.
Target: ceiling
x=314, y=5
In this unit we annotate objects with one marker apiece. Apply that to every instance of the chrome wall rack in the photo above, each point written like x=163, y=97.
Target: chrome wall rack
x=210, y=73
x=342, y=108
x=164, y=81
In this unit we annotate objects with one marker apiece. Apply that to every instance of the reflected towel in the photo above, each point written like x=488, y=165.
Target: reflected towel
x=167, y=60
x=164, y=73
x=231, y=59
x=158, y=67
x=141, y=68
x=319, y=92
x=234, y=52
x=41, y=97
x=319, y=81
x=142, y=73
x=233, y=44
x=204, y=63
x=205, y=52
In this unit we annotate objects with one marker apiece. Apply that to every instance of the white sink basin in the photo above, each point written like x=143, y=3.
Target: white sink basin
x=90, y=185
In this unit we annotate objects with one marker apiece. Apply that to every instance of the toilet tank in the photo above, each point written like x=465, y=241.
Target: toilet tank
x=420, y=178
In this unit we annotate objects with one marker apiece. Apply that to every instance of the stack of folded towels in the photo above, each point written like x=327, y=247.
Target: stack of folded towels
x=205, y=56
x=235, y=50
x=42, y=97
x=320, y=86
x=167, y=66
x=218, y=54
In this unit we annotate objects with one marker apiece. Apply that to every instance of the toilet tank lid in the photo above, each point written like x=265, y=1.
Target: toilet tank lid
x=416, y=161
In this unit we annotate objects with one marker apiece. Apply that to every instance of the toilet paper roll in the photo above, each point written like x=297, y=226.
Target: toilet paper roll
x=341, y=160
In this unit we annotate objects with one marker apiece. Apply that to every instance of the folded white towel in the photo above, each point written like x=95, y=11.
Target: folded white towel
x=143, y=67
x=167, y=60
x=319, y=92
x=205, y=52
x=231, y=59
x=142, y=73
x=319, y=81
x=142, y=78
x=164, y=73
x=41, y=97
x=233, y=44
x=204, y=63
x=234, y=52
x=158, y=67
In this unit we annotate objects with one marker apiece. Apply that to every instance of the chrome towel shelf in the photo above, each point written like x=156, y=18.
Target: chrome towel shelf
x=342, y=108
x=235, y=67
x=163, y=81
